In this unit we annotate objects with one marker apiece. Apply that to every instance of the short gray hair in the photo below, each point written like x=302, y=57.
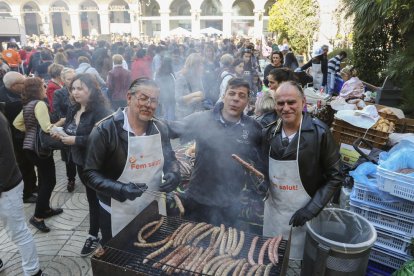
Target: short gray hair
x=265, y=103
x=11, y=78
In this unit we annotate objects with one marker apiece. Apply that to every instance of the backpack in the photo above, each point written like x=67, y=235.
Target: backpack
x=215, y=89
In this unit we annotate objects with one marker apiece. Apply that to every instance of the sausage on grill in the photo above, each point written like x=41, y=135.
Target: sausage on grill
x=180, y=236
x=198, y=232
x=214, y=236
x=263, y=251
x=217, y=264
x=235, y=240
x=248, y=166
x=252, y=270
x=238, y=268
x=270, y=251
x=208, y=265
x=153, y=230
x=225, y=265
x=223, y=244
x=244, y=268
x=191, y=231
x=268, y=269
x=159, y=252
x=203, y=235
x=152, y=244
x=229, y=240
x=239, y=246
x=251, y=251
x=276, y=248
x=146, y=226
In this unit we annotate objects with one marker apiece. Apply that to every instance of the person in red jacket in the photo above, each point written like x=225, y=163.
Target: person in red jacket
x=54, y=83
x=141, y=67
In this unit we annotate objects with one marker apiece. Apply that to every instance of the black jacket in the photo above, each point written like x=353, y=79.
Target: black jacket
x=10, y=175
x=87, y=121
x=107, y=154
x=12, y=109
x=217, y=180
x=61, y=104
x=319, y=159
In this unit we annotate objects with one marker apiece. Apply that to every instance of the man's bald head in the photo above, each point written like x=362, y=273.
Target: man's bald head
x=14, y=81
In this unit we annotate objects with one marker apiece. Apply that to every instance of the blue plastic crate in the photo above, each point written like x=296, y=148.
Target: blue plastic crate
x=393, y=242
x=377, y=269
x=399, y=206
x=397, y=184
x=387, y=221
x=389, y=259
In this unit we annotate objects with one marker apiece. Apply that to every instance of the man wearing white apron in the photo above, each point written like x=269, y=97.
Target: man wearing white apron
x=127, y=154
x=303, y=168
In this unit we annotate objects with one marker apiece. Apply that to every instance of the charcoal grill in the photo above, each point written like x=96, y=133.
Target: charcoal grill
x=122, y=258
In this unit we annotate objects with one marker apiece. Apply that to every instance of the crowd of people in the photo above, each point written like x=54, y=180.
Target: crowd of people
x=113, y=108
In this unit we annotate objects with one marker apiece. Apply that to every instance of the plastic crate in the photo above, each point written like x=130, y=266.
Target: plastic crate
x=392, y=260
x=377, y=269
x=349, y=139
x=384, y=220
x=400, y=206
x=397, y=184
x=393, y=242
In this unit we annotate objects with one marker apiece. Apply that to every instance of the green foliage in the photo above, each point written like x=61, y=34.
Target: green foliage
x=384, y=42
x=298, y=19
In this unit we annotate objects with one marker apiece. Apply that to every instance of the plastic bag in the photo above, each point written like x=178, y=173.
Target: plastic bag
x=402, y=159
x=402, y=146
x=365, y=175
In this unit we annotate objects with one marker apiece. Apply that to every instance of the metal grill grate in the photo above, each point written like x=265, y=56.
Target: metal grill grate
x=128, y=258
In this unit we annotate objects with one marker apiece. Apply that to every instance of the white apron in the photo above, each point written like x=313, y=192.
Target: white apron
x=144, y=164
x=286, y=196
x=317, y=75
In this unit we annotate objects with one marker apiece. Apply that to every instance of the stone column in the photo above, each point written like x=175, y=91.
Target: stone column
x=258, y=23
x=227, y=14
x=195, y=22
x=165, y=23
x=75, y=23
x=45, y=22
x=104, y=20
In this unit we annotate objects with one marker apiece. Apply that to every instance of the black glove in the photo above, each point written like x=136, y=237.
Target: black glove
x=133, y=190
x=172, y=181
x=301, y=217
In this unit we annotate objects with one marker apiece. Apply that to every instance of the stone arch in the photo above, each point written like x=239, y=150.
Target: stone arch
x=90, y=23
x=153, y=9
x=119, y=12
x=5, y=9
x=243, y=8
x=180, y=8
x=60, y=19
x=211, y=7
x=268, y=6
x=31, y=18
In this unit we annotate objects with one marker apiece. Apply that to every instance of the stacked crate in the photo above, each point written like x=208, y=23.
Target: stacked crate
x=393, y=218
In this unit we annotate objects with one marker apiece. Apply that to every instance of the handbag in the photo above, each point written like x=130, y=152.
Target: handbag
x=47, y=142
x=41, y=151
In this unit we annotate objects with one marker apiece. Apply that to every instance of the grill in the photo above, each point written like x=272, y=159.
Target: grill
x=121, y=257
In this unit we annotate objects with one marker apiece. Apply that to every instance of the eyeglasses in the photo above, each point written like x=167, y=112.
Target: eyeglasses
x=145, y=100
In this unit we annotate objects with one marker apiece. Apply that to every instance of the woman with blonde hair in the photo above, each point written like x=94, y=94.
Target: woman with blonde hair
x=189, y=92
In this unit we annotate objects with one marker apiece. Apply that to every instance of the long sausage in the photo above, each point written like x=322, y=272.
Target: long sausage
x=182, y=233
x=276, y=248
x=251, y=251
x=214, y=236
x=165, y=259
x=198, y=232
x=203, y=235
x=152, y=244
x=208, y=265
x=178, y=259
x=220, y=236
x=229, y=240
x=223, y=244
x=188, y=259
x=248, y=166
x=270, y=251
x=179, y=204
x=227, y=264
x=209, y=254
x=244, y=268
x=178, y=230
x=263, y=251
x=146, y=226
x=260, y=270
x=159, y=251
x=268, y=269
x=252, y=270
x=238, y=268
x=235, y=240
x=191, y=231
x=195, y=259
x=217, y=264
x=239, y=246
x=153, y=230
x=230, y=267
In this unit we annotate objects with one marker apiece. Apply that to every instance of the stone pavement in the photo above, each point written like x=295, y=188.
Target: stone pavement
x=59, y=249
